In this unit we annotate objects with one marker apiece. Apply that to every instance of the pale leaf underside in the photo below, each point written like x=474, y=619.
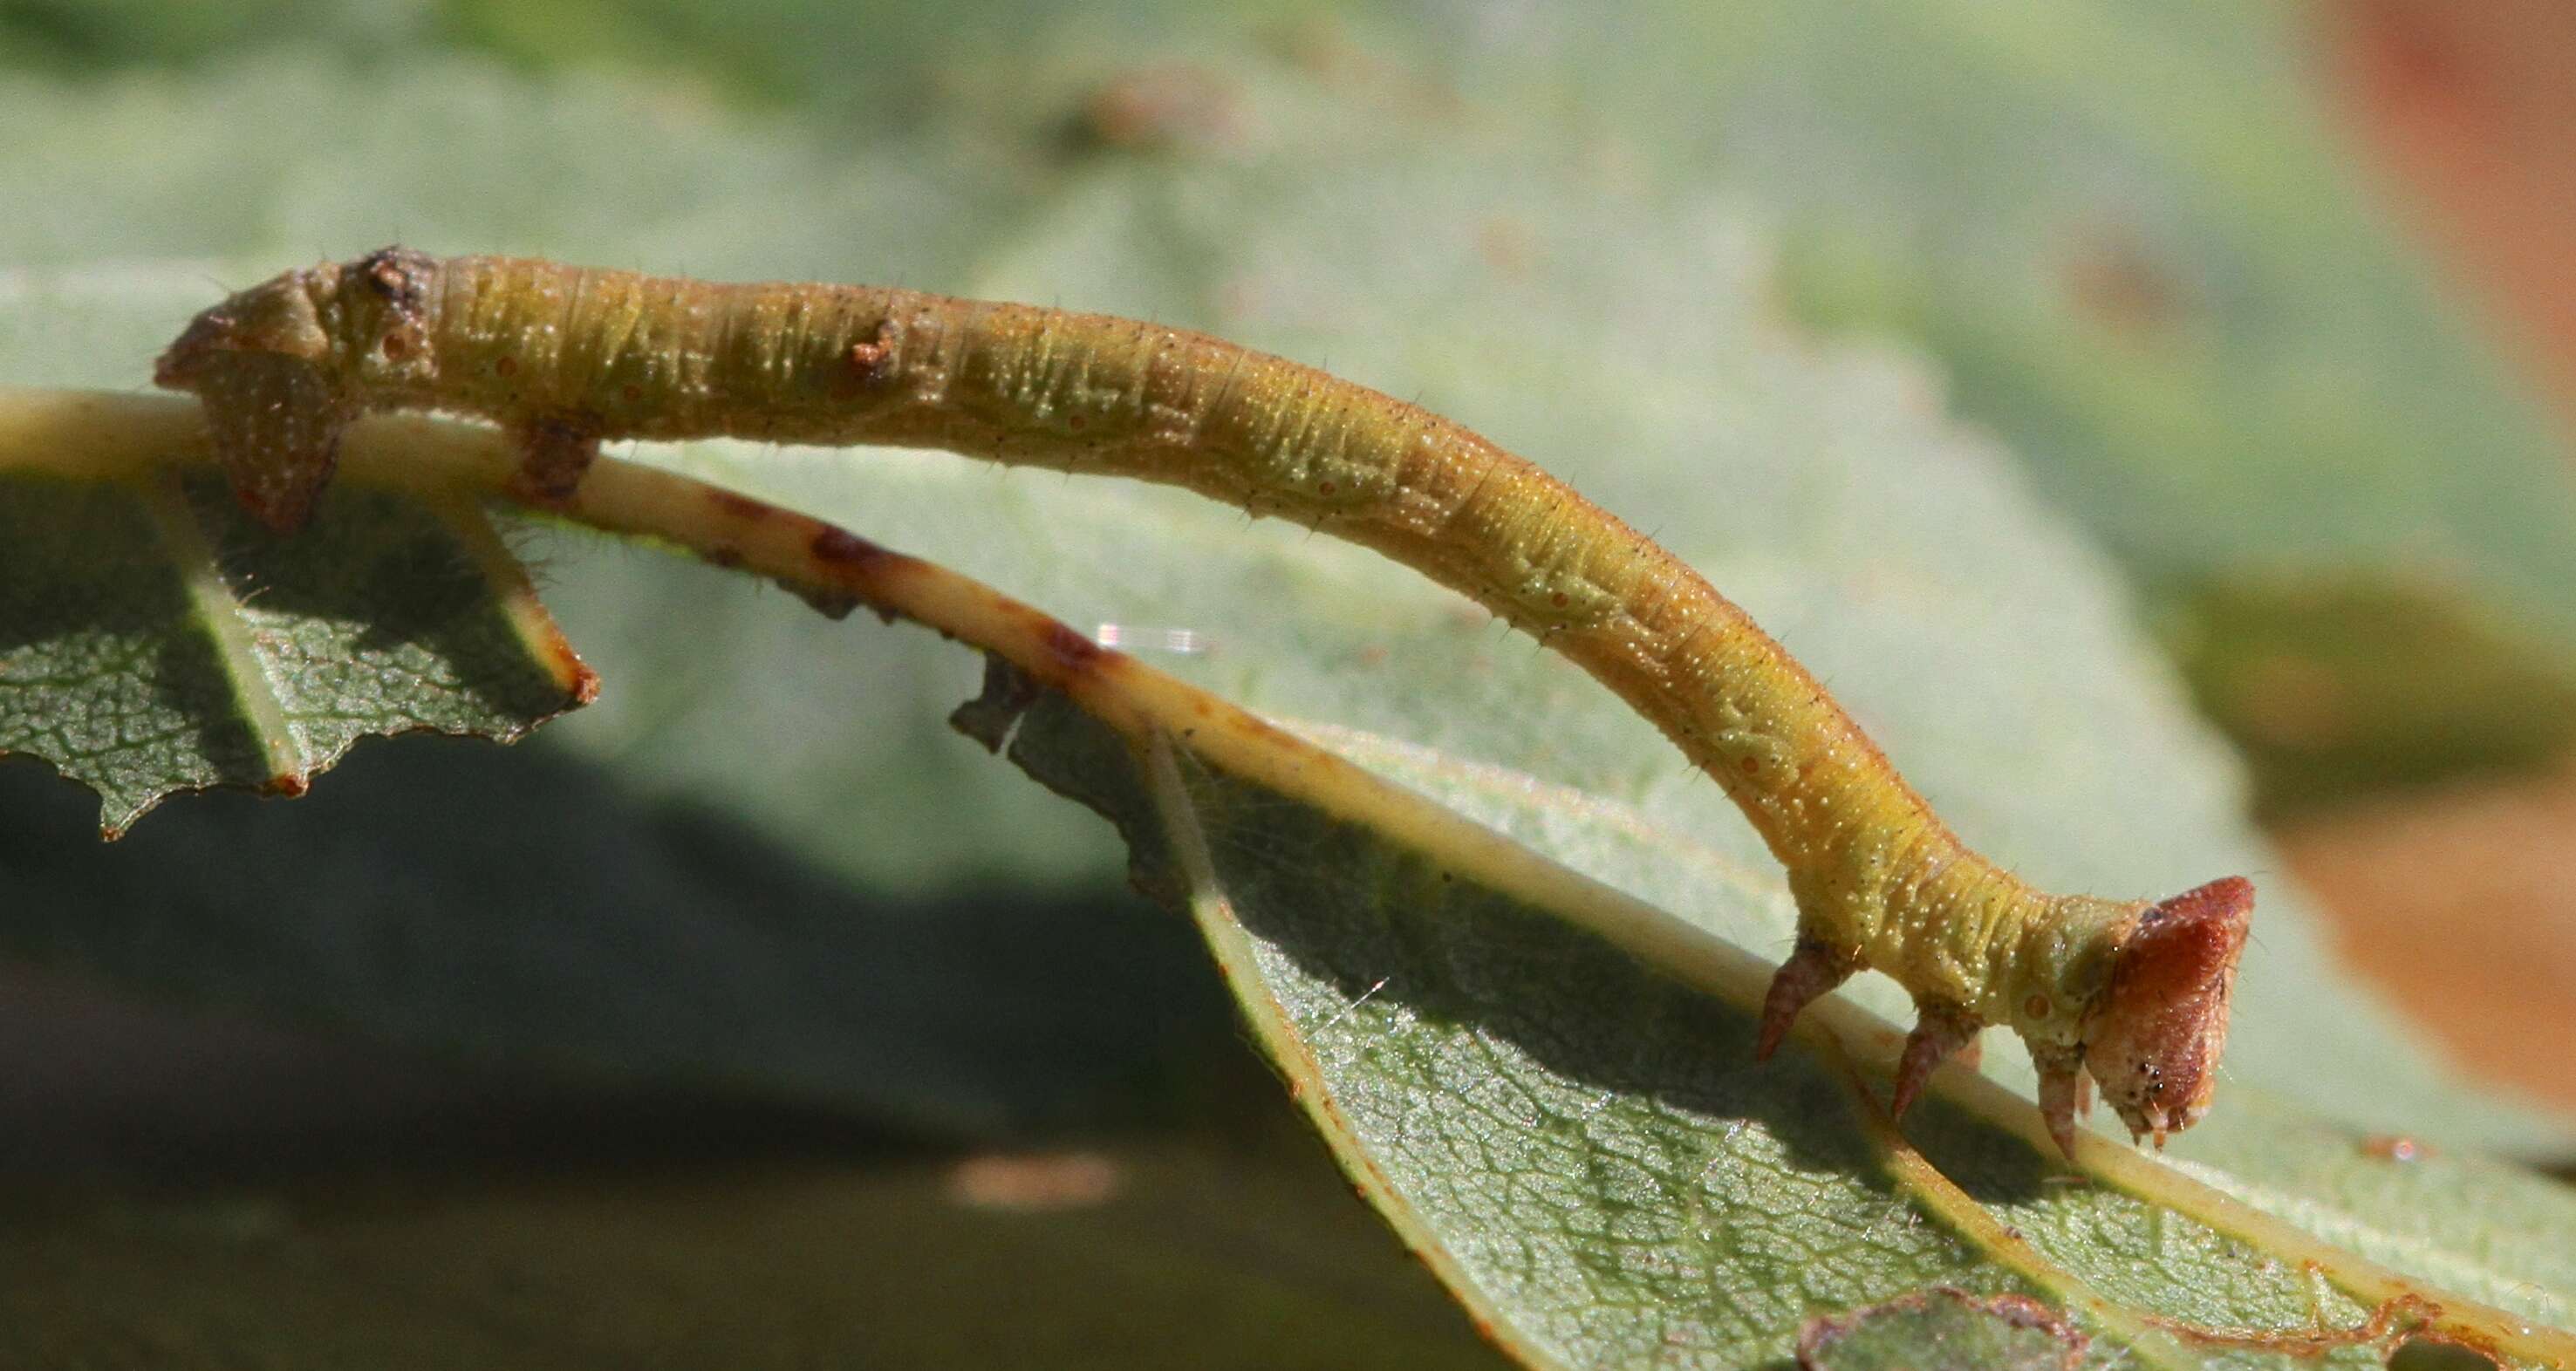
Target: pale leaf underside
x=153, y=640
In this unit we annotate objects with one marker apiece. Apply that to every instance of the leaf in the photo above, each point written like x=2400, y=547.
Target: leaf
x=152, y=641
x=1582, y=1147
x=1545, y=1087
x=2143, y=256
x=2336, y=686
x=480, y=904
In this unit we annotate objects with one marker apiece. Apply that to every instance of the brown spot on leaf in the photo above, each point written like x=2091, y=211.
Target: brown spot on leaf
x=840, y=547
x=828, y=601
x=1944, y=1326
x=2394, y=1147
x=2116, y=281
x=1167, y=105
x=739, y=506
x=1076, y=652
x=1507, y=247
x=2287, y=701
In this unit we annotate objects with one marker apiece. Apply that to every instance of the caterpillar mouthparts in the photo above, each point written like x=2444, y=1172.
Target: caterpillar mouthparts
x=2153, y=1038
x=2132, y=995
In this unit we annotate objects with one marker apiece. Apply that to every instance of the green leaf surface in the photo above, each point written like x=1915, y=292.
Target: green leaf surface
x=2339, y=685
x=151, y=640
x=1584, y=1149
x=2142, y=254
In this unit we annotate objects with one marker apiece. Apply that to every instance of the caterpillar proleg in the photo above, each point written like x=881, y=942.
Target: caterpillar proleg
x=2130, y=993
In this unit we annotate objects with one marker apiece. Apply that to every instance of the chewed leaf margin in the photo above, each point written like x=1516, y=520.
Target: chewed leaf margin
x=153, y=641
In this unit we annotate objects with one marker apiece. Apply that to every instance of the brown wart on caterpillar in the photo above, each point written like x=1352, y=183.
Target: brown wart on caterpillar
x=2132, y=993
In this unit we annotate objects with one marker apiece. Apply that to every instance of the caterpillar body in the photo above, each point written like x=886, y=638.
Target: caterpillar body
x=2130, y=993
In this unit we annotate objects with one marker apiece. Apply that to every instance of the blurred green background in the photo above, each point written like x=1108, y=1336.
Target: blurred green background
x=2142, y=245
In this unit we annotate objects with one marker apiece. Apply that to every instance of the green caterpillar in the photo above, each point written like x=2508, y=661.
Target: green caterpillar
x=2130, y=992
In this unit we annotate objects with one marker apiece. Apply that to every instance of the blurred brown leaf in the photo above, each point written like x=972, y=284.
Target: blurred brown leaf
x=2461, y=903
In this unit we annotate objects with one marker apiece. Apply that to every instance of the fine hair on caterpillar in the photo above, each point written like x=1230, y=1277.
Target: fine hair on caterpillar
x=2131, y=995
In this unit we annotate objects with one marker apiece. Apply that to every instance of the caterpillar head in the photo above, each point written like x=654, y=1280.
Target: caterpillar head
x=2153, y=1037
x=262, y=363
x=383, y=304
